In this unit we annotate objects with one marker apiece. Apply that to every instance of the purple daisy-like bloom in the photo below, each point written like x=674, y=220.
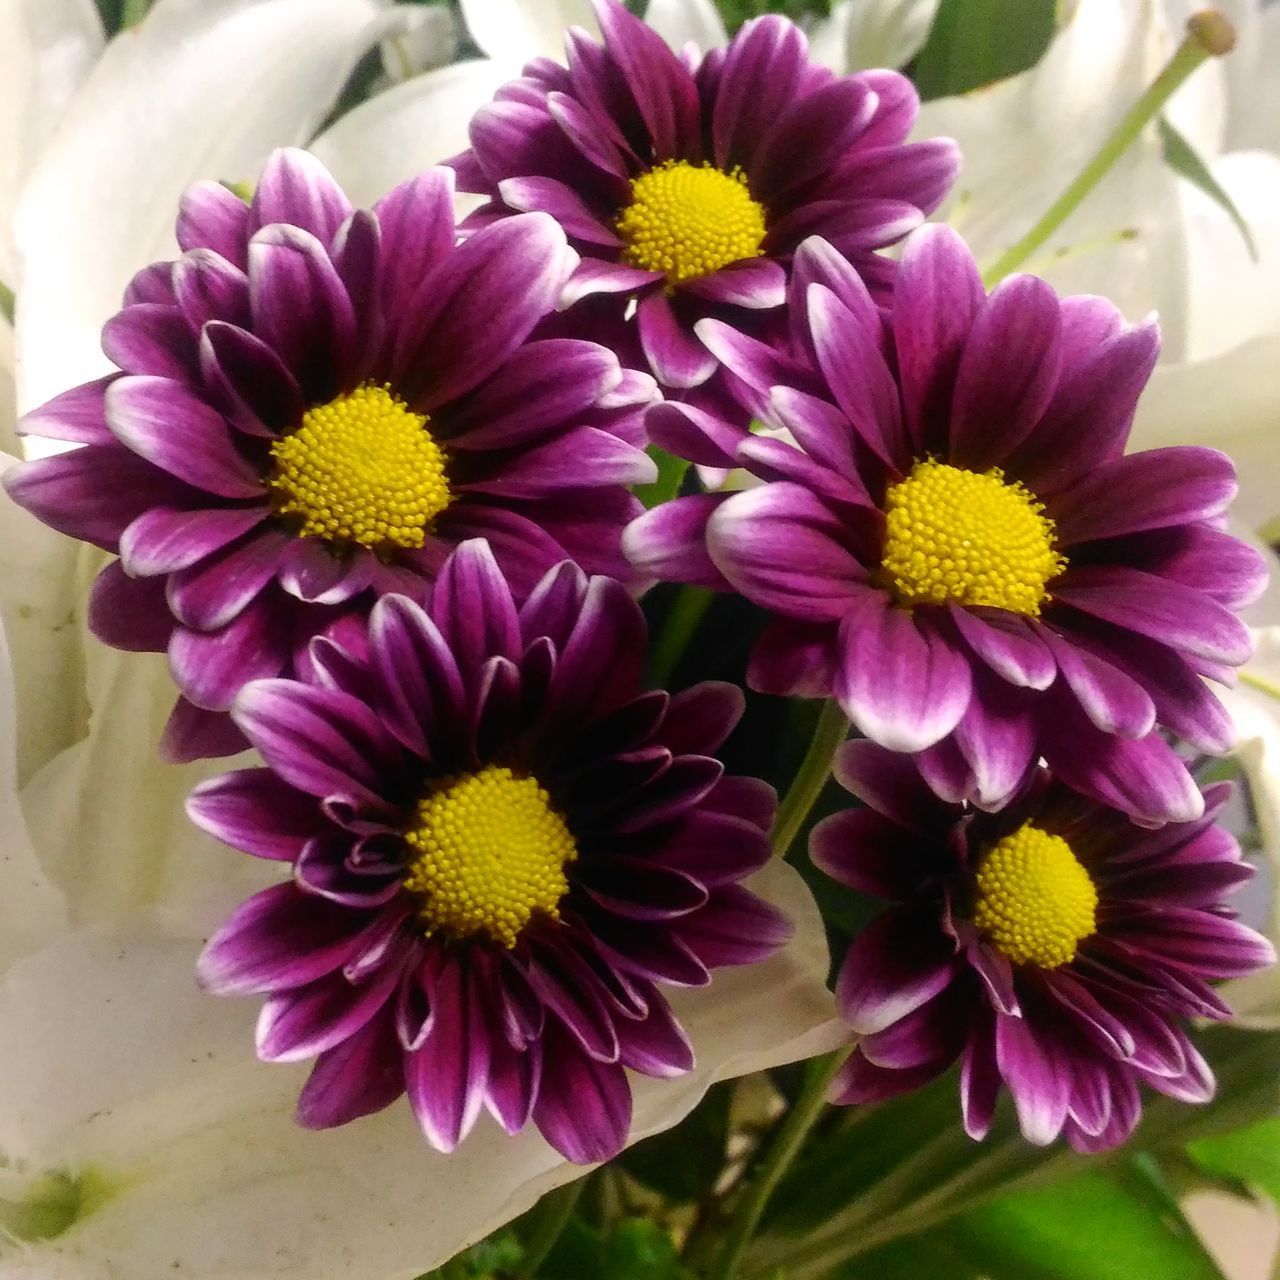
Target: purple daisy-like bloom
x=955, y=545
x=502, y=847
x=1053, y=947
x=315, y=405
x=688, y=185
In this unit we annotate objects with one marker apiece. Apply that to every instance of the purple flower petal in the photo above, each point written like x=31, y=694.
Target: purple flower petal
x=658, y=1045
x=531, y=194
x=1037, y=1082
x=890, y=784
x=300, y=1024
x=207, y=287
x=596, y=275
x=212, y=217
x=78, y=414
x=210, y=667
x=1011, y=646
x=163, y=540
x=782, y=548
x=900, y=680
x=871, y=853
x=1007, y=372
x=261, y=395
x=253, y=811
x=129, y=613
x=362, y=1075
x=416, y=220
x=900, y=960
x=295, y=188
x=999, y=738
x=735, y=927
x=584, y=1106
x=1113, y=700
x=192, y=733
x=151, y=338
x=758, y=283
x=214, y=592
x=677, y=357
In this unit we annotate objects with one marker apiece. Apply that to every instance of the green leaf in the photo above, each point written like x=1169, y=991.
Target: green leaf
x=671, y=471
x=640, y=1250
x=975, y=42
x=1182, y=158
x=1250, y=1156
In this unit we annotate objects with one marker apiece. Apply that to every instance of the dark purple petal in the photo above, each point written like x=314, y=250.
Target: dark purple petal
x=1011, y=646
x=1113, y=700
x=758, y=283
x=192, y=733
x=699, y=719
x=735, y=927
x=584, y=1106
x=670, y=542
x=900, y=960
x=860, y=1081
x=207, y=287
x=900, y=680
x=295, y=1025
x=260, y=395
x=891, y=784
x=356, y=1078
x=78, y=414
x=151, y=338
x=215, y=591
x=1039, y=1084
x=416, y=221
x=296, y=188
x=783, y=548
x=129, y=613
x=566, y=206
x=873, y=854
x=211, y=667
x=676, y=355
x=163, y=540
x=998, y=736
x=212, y=217
x=1007, y=372
x=658, y=1045
x=255, y=812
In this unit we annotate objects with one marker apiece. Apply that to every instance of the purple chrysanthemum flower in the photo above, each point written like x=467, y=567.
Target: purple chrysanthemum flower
x=1053, y=947
x=502, y=846
x=315, y=405
x=689, y=184
x=955, y=545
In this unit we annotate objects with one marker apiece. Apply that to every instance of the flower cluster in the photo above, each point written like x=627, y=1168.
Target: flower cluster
x=369, y=479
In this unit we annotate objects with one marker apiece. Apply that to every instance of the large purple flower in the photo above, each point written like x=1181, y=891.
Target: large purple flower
x=501, y=847
x=315, y=405
x=688, y=185
x=1053, y=947
x=955, y=545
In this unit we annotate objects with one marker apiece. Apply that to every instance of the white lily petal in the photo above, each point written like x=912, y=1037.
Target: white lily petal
x=1254, y=705
x=1234, y=298
x=46, y=50
x=42, y=603
x=200, y=89
x=107, y=818
x=428, y=38
x=1253, y=84
x=1122, y=241
x=680, y=22
x=208, y=1177
x=408, y=128
x=1232, y=403
x=515, y=31
x=8, y=392
x=32, y=913
x=872, y=33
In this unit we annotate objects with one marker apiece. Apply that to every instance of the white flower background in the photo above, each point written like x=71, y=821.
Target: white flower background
x=116, y=1074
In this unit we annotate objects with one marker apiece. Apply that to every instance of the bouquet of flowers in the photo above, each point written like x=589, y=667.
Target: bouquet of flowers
x=674, y=672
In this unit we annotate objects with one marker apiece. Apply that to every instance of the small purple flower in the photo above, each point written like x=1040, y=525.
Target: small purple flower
x=955, y=545
x=688, y=184
x=502, y=846
x=1053, y=947
x=315, y=406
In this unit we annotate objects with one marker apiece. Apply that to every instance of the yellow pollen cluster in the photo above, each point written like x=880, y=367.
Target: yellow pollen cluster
x=361, y=469
x=690, y=220
x=492, y=852
x=1035, y=901
x=972, y=537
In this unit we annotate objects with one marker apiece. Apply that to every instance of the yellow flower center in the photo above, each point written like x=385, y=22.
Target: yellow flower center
x=362, y=468
x=1035, y=901
x=690, y=220
x=972, y=537
x=492, y=852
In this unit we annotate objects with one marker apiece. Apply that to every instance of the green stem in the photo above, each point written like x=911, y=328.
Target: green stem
x=132, y=12
x=687, y=611
x=828, y=734
x=1268, y=687
x=549, y=1218
x=786, y=1146
x=1205, y=38
x=7, y=301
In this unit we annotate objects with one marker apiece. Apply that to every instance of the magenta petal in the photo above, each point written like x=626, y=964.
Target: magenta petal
x=255, y=812
x=862, y=1082
x=446, y=1078
x=758, y=283
x=699, y=719
x=515, y=1077
x=900, y=681
x=793, y=658
x=979, y=1079
x=999, y=738
x=207, y=287
x=759, y=365
x=1037, y=1082
x=164, y=539
x=584, y=1106
x=321, y=741
x=566, y=206
x=356, y=1078
x=300, y=1024
x=735, y=927
x=694, y=434
x=212, y=217
x=900, y=960
x=280, y=938
x=1156, y=489
x=416, y=221
x=165, y=423
x=677, y=356
x=1007, y=372
x=1010, y=645
x=296, y=188
x=890, y=783
x=78, y=414
x=871, y=853
x=129, y=613
x=1179, y=616
x=211, y=667
x=192, y=733
x=595, y=275
x=658, y=1045
x=670, y=542
x=782, y=547
x=1113, y=700
x=214, y=591
x=261, y=396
